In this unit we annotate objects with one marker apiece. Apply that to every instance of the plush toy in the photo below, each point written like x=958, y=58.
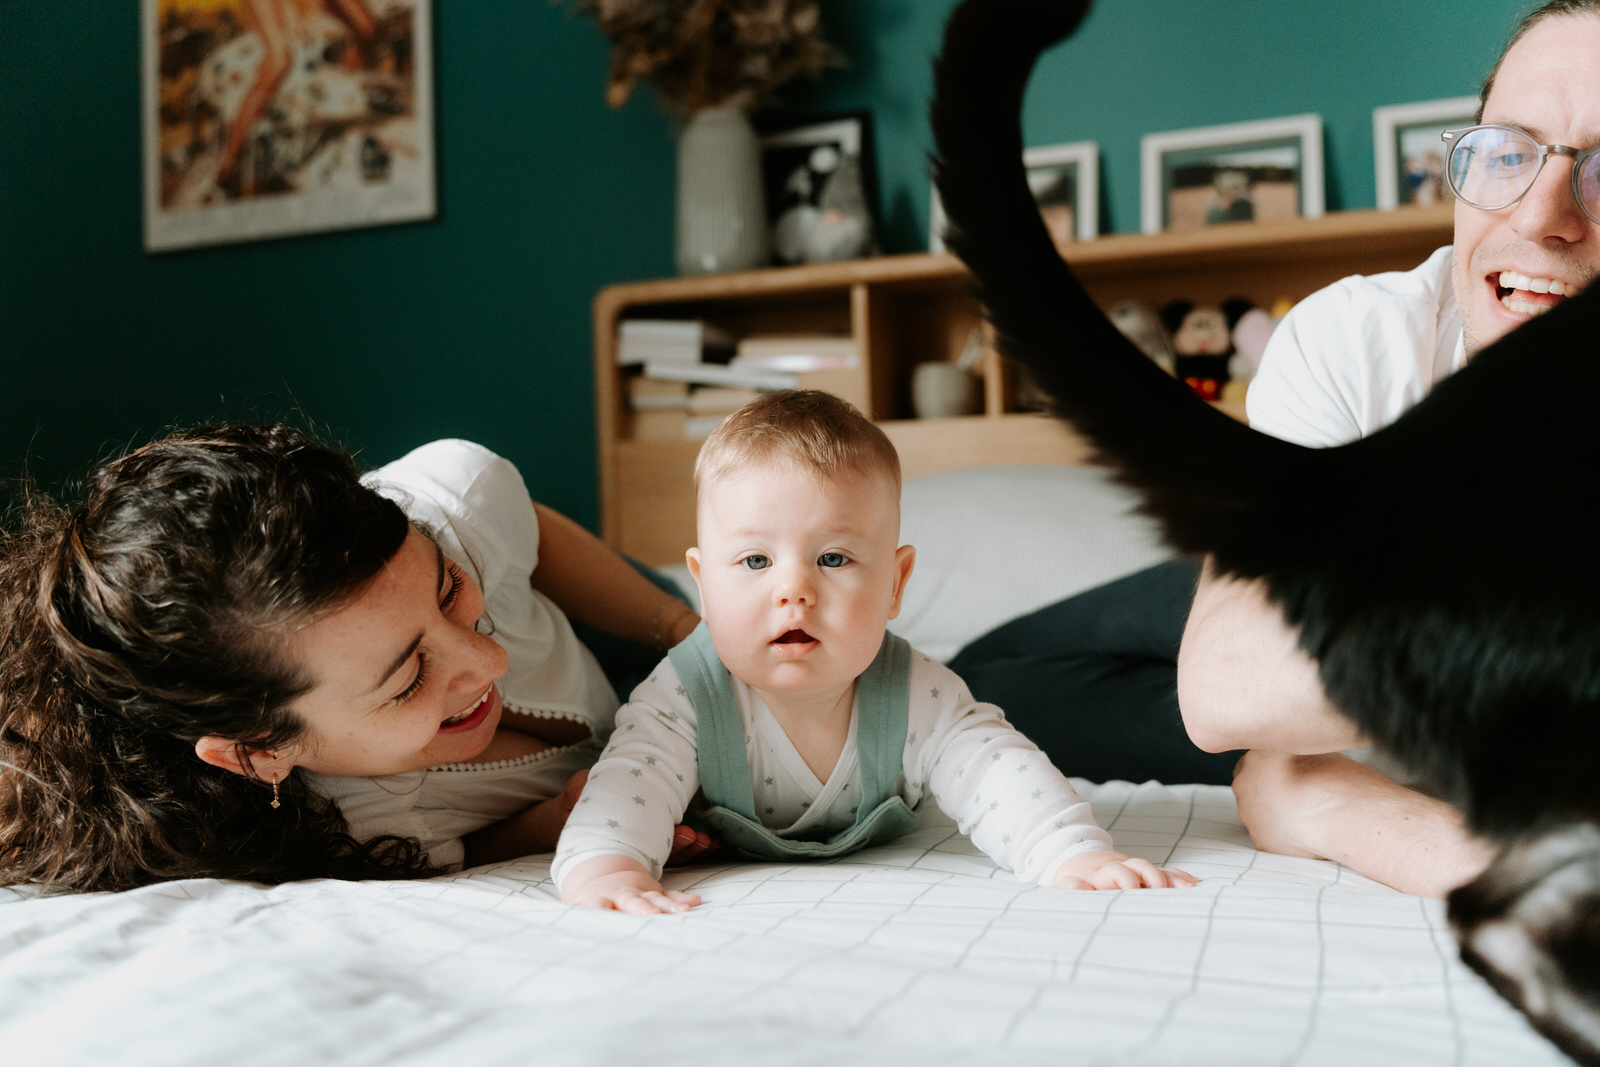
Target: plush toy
x=1202, y=343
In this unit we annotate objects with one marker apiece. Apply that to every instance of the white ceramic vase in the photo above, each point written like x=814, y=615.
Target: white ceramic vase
x=722, y=217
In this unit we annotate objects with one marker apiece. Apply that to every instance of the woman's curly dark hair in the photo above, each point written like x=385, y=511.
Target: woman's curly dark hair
x=153, y=614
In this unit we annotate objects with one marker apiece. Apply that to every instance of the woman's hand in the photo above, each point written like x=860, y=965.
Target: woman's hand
x=688, y=845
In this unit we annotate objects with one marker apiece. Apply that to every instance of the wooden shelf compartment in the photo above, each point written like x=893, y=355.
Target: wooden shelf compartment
x=905, y=310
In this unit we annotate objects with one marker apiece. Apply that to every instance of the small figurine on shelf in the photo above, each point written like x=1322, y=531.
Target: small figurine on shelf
x=1202, y=343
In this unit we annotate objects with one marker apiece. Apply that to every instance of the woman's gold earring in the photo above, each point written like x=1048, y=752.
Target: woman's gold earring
x=275, y=803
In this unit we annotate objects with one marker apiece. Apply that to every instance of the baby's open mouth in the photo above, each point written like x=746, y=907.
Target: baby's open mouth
x=1525, y=295
x=793, y=637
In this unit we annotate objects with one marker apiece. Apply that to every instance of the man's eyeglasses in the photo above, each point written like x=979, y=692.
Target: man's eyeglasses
x=1492, y=167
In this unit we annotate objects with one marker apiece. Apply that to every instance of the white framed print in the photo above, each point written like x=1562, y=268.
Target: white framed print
x=265, y=118
x=1065, y=182
x=1244, y=171
x=1408, y=153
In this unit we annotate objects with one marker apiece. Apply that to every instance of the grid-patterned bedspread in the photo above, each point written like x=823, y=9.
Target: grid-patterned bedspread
x=917, y=953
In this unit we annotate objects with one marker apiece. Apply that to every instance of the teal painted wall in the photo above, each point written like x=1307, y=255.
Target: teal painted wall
x=1143, y=66
x=476, y=324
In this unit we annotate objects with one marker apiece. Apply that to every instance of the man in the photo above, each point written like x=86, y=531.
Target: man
x=1242, y=680
x=1347, y=361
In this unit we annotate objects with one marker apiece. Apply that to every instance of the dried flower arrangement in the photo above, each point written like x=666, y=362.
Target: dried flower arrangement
x=708, y=53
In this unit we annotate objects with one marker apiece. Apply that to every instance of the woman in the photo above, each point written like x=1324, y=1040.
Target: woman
x=224, y=661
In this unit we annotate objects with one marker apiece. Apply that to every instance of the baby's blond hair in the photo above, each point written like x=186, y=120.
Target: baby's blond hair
x=816, y=431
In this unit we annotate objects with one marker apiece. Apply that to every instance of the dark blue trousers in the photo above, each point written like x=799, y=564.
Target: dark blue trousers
x=1093, y=679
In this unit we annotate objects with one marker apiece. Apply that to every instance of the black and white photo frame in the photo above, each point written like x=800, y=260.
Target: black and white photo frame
x=820, y=185
x=1245, y=171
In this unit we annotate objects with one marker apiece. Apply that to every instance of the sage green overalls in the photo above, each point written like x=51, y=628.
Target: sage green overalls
x=729, y=813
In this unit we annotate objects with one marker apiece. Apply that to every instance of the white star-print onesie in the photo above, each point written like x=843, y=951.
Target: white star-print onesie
x=994, y=782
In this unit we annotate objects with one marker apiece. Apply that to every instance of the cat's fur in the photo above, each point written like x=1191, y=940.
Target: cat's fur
x=1444, y=572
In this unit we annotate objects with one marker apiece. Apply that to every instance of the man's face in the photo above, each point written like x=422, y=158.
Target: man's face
x=1518, y=262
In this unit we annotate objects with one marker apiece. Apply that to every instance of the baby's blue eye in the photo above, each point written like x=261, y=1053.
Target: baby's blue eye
x=832, y=559
x=756, y=563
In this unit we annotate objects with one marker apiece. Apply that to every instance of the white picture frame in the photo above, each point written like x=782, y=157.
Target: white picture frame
x=1065, y=180
x=338, y=143
x=1408, y=156
x=1263, y=170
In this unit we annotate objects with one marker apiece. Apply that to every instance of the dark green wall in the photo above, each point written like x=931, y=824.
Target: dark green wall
x=1142, y=66
x=477, y=324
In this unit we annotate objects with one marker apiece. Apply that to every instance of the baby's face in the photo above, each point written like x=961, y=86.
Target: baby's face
x=798, y=578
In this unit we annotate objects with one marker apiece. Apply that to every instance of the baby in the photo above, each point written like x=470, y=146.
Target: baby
x=810, y=729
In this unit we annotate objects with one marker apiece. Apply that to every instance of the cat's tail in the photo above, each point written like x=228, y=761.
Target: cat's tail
x=1205, y=477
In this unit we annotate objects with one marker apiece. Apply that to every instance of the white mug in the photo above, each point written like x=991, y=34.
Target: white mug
x=943, y=390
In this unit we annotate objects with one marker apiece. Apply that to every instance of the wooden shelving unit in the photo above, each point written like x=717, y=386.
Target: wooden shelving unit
x=905, y=310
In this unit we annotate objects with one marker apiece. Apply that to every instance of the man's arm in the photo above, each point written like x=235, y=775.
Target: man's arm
x=1243, y=682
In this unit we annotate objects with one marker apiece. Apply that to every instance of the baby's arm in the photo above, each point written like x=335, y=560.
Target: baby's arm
x=621, y=830
x=622, y=884
x=1007, y=795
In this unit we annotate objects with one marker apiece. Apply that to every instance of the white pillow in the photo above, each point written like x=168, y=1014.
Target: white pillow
x=994, y=543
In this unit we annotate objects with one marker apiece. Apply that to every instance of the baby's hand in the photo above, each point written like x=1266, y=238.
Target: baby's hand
x=1112, y=870
x=620, y=884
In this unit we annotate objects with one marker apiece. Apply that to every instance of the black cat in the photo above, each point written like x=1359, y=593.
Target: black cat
x=1443, y=572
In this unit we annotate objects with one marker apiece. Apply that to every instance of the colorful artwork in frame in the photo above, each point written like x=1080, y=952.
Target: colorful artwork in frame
x=264, y=118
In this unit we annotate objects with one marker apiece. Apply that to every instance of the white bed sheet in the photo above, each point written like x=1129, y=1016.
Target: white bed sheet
x=920, y=952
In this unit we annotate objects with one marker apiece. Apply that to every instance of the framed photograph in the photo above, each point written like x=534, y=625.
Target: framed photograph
x=820, y=186
x=1065, y=180
x=1260, y=171
x=1409, y=152
x=264, y=118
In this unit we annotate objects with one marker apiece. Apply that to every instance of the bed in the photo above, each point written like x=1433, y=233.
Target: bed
x=920, y=951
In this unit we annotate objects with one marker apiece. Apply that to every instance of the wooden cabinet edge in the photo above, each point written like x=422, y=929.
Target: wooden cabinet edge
x=1289, y=239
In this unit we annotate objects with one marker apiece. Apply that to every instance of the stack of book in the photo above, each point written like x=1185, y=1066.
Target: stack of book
x=672, y=342
x=796, y=355
x=691, y=375
x=673, y=410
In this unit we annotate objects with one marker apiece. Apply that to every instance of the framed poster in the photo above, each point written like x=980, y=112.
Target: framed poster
x=1271, y=169
x=264, y=118
x=1410, y=154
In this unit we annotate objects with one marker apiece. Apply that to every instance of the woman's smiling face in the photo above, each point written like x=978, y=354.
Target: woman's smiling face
x=401, y=678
